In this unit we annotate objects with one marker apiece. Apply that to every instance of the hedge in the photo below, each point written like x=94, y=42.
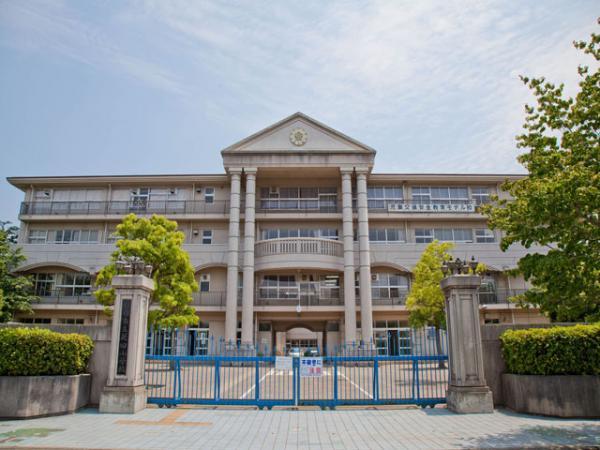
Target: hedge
x=553, y=351
x=36, y=351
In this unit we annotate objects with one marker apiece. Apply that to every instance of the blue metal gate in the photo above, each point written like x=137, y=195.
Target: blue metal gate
x=345, y=379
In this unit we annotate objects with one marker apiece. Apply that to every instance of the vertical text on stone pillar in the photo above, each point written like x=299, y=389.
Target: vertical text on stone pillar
x=123, y=337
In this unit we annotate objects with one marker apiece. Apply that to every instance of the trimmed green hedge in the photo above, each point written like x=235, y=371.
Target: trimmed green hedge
x=552, y=351
x=36, y=351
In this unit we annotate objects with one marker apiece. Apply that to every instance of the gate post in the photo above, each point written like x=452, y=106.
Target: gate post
x=467, y=389
x=125, y=391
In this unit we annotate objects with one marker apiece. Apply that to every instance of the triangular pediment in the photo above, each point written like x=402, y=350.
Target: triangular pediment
x=298, y=133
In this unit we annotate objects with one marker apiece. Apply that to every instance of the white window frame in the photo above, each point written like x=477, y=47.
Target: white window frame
x=37, y=236
x=209, y=194
x=424, y=238
x=207, y=235
x=479, y=197
x=204, y=279
x=387, y=232
x=484, y=236
x=376, y=200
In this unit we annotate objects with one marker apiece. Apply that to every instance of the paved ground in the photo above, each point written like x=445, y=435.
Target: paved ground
x=383, y=428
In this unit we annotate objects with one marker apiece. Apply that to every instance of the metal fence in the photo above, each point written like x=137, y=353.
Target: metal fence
x=353, y=375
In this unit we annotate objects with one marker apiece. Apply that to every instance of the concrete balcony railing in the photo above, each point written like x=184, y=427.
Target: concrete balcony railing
x=305, y=246
x=170, y=207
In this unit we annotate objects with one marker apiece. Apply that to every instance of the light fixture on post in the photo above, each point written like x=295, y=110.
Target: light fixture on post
x=459, y=267
x=133, y=265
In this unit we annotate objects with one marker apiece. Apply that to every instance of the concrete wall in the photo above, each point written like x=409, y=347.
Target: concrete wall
x=493, y=363
x=556, y=395
x=98, y=364
x=28, y=397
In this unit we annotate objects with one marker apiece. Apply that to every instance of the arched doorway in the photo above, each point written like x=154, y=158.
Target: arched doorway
x=302, y=338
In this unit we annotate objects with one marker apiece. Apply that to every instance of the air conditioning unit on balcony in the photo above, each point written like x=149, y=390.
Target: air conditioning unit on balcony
x=172, y=191
x=273, y=190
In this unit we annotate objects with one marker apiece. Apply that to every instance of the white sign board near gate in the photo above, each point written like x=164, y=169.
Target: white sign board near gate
x=284, y=363
x=311, y=367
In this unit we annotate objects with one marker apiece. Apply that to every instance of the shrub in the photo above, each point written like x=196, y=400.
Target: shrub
x=553, y=351
x=36, y=351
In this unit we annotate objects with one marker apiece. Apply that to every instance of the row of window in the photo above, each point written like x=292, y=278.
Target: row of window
x=66, y=236
x=422, y=235
x=384, y=194
x=60, y=320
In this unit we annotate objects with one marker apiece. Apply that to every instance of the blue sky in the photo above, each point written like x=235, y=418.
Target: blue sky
x=156, y=86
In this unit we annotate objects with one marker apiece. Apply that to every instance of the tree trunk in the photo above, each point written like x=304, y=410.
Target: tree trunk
x=438, y=347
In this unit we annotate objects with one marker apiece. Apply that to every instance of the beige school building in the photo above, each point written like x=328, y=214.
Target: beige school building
x=298, y=243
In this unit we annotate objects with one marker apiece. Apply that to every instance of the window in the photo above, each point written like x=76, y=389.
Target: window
x=205, y=282
x=70, y=321
x=264, y=326
x=483, y=235
x=278, y=233
x=209, y=195
x=35, y=320
x=207, y=236
x=426, y=235
x=73, y=284
x=66, y=236
x=278, y=287
x=423, y=235
x=492, y=321
x=76, y=237
x=43, y=194
x=481, y=195
x=440, y=195
x=139, y=198
x=388, y=285
x=386, y=235
x=379, y=197
x=44, y=284
x=38, y=236
x=309, y=198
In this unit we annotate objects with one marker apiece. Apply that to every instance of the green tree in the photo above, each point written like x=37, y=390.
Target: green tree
x=426, y=302
x=158, y=243
x=15, y=290
x=11, y=231
x=558, y=204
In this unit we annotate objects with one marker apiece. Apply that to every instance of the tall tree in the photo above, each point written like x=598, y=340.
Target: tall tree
x=558, y=204
x=12, y=232
x=426, y=302
x=158, y=243
x=15, y=290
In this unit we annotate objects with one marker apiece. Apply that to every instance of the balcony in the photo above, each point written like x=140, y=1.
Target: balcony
x=412, y=206
x=287, y=253
x=498, y=297
x=57, y=298
x=302, y=206
x=176, y=207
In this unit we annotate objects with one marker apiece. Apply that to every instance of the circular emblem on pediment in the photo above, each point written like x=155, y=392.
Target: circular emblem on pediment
x=298, y=137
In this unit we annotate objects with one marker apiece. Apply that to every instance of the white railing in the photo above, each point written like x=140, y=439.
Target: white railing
x=309, y=246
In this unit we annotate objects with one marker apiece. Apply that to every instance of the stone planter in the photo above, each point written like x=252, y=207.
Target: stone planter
x=26, y=397
x=553, y=395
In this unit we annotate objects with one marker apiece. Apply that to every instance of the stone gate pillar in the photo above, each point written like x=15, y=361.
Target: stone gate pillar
x=467, y=389
x=125, y=391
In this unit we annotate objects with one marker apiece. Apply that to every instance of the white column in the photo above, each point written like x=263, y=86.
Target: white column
x=348, y=236
x=248, y=263
x=233, y=257
x=366, y=307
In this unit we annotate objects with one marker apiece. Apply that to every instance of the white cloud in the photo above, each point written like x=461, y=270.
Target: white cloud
x=428, y=78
